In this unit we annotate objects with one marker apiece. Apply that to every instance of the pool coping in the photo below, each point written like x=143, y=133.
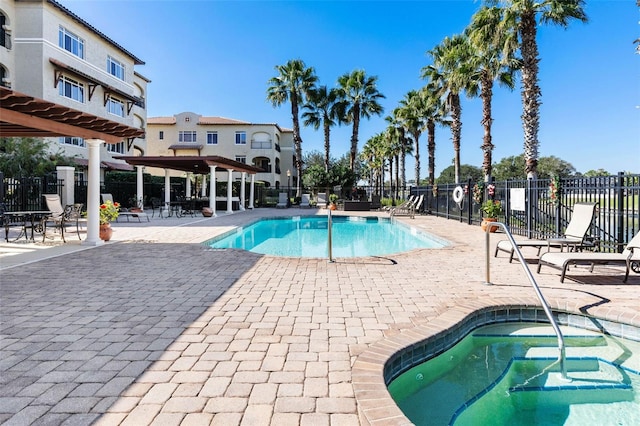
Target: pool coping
x=390, y=357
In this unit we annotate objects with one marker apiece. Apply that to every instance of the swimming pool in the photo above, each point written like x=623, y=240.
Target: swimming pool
x=306, y=236
x=504, y=374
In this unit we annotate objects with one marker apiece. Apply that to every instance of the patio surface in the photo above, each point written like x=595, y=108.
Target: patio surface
x=154, y=328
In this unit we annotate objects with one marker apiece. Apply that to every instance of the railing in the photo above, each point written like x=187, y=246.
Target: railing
x=260, y=144
x=534, y=284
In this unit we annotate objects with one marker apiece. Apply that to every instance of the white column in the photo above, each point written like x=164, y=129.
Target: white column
x=188, y=190
x=252, y=191
x=93, y=194
x=212, y=192
x=167, y=190
x=229, y=191
x=139, y=188
x=66, y=175
x=242, y=191
x=203, y=190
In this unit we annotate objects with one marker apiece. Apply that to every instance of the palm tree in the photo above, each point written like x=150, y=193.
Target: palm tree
x=434, y=113
x=492, y=59
x=405, y=146
x=373, y=153
x=411, y=112
x=450, y=74
x=360, y=96
x=322, y=108
x=293, y=82
x=523, y=15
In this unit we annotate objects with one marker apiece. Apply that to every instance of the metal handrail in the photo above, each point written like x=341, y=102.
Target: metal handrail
x=543, y=302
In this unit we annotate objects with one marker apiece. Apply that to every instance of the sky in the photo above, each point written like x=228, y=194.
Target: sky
x=214, y=58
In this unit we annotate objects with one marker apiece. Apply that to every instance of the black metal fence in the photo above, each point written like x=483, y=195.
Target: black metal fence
x=25, y=193
x=534, y=209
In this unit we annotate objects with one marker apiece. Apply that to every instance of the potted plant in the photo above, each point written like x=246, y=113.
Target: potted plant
x=333, y=199
x=492, y=209
x=109, y=212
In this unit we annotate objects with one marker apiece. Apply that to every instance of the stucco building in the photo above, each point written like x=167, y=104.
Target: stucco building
x=266, y=146
x=48, y=52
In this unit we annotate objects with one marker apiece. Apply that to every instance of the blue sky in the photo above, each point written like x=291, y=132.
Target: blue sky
x=214, y=58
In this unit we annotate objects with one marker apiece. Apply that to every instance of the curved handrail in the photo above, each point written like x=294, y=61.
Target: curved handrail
x=532, y=280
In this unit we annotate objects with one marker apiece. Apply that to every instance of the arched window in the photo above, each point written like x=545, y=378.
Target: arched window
x=3, y=75
x=4, y=35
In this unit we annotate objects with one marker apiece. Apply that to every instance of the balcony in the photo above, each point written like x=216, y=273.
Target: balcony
x=260, y=144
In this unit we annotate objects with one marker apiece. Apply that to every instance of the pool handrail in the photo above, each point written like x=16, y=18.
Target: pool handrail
x=534, y=284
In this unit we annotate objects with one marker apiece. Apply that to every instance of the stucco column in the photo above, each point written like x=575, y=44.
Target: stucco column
x=203, y=190
x=139, y=188
x=167, y=191
x=230, y=191
x=93, y=194
x=252, y=191
x=188, y=185
x=66, y=175
x=242, y=191
x=212, y=192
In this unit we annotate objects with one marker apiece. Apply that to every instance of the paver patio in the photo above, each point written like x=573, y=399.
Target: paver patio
x=154, y=328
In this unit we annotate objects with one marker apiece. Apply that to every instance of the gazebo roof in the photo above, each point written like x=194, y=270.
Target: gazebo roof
x=190, y=163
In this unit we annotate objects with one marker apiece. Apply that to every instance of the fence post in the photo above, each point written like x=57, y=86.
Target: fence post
x=620, y=211
x=529, y=201
x=469, y=202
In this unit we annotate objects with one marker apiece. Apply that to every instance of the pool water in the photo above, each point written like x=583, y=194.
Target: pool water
x=508, y=374
x=306, y=236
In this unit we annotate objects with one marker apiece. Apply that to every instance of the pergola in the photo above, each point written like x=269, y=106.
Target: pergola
x=197, y=164
x=24, y=115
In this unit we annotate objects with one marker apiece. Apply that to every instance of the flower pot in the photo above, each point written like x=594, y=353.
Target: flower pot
x=332, y=207
x=106, y=232
x=485, y=222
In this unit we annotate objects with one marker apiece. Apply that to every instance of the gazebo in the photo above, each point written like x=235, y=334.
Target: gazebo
x=24, y=115
x=196, y=164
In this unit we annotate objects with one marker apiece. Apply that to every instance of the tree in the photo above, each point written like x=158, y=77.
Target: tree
x=491, y=59
x=522, y=16
x=373, y=155
x=404, y=144
x=450, y=75
x=513, y=168
x=359, y=94
x=448, y=175
x=599, y=172
x=434, y=113
x=24, y=157
x=322, y=108
x=411, y=114
x=293, y=83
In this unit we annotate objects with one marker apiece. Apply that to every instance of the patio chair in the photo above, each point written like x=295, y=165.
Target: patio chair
x=283, y=201
x=408, y=210
x=574, y=236
x=305, y=201
x=322, y=199
x=562, y=260
x=124, y=212
x=60, y=217
x=402, y=205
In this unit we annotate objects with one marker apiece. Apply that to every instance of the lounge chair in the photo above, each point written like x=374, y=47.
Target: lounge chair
x=123, y=212
x=322, y=199
x=404, y=204
x=283, y=201
x=305, y=201
x=574, y=236
x=629, y=257
x=408, y=210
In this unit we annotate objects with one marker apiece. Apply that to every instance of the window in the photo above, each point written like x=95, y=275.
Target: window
x=4, y=35
x=241, y=159
x=187, y=136
x=115, y=107
x=115, y=68
x=116, y=147
x=71, y=89
x=161, y=135
x=212, y=138
x=241, y=138
x=187, y=119
x=71, y=42
x=72, y=141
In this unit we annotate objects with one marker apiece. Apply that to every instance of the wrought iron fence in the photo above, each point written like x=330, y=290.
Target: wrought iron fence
x=25, y=193
x=535, y=210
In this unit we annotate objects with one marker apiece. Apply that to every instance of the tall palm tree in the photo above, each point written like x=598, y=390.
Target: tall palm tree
x=373, y=153
x=492, y=59
x=322, y=108
x=360, y=95
x=411, y=112
x=404, y=143
x=451, y=75
x=434, y=113
x=293, y=82
x=523, y=16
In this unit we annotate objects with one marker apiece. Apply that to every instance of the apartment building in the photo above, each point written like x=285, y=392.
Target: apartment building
x=266, y=146
x=48, y=52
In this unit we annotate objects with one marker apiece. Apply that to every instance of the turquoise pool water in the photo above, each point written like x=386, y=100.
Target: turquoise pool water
x=507, y=374
x=306, y=236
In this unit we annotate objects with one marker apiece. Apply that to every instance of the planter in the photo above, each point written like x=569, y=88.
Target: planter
x=332, y=207
x=106, y=232
x=485, y=222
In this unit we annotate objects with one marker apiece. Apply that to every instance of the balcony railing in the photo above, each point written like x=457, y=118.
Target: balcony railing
x=278, y=147
x=260, y=144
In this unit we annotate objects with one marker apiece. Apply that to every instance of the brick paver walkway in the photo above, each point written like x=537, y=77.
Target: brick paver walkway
x=154, y=328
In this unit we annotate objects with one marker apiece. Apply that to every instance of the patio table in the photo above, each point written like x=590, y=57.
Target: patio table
x=26, y=219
